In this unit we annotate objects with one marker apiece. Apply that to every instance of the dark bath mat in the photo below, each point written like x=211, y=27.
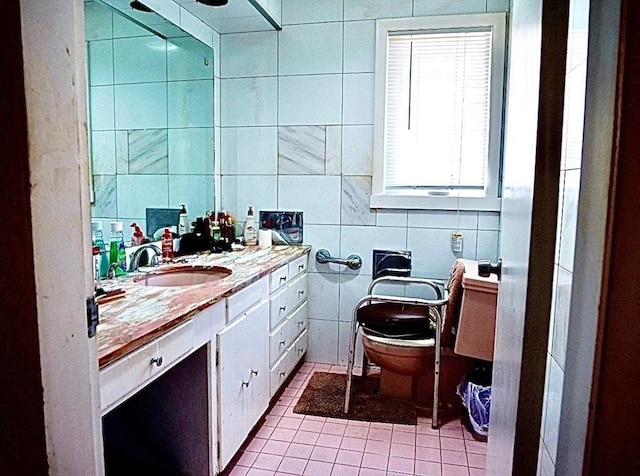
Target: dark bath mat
x=324, y=396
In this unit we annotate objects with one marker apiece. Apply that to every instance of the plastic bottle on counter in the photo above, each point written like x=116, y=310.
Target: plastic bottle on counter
x=101, y=259
x=250, y=236
x=183, y=221
x=117, y=252
x=167, y=245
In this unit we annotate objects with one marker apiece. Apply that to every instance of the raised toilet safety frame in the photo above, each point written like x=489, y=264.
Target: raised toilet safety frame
x=434, y=312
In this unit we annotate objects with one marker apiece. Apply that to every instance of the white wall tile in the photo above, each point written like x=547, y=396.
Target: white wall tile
x=241, y=191
x=497, y=6
x=443, y=219
x=357, y=150
x=320, y=207
x=352, y=289
x=324, y=296
x=488, y=221
x=362, y=240
x=98, y=22
x=195, y=27
x=310, y=49
x=191, y=151
x=562, y=305
x=310, y=11
x=140, y=60
x=344, y=337
x=190, y=103
x=358, y=98
x=359, y=46
x=138, y=192
x=239, y=154
x=125, y=28
x=322, y=236
x=323, y=339
x=487, y=245
x=100, y=62
x=101, y=108
x=569, y=218
x=105, y=193
x=390, y=217
x=553, y=400
x=447, y=7
x=103, y=152
x=249, y=54
x=249, y=102
x=373, y=9
x=431, y=251
x=141, y=106
x=195, y=191
x=310, y=100
x=188, y=58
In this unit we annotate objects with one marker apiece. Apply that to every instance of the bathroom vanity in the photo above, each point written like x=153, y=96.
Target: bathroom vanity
x=187, y=371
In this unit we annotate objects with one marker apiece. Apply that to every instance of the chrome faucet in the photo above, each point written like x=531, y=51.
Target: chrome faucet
x=134, y=264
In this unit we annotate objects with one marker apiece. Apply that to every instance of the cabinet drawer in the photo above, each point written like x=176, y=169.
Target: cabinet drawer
x=297, y=292
x=297, y=322
x=278, y=278
x=280, y=372
x=245, y=298
x=278, y=308
x=132, y=372
x=278, y=342
x=297, y=266
x=299, y=347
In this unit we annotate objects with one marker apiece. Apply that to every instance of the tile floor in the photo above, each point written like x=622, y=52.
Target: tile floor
x=288, y=443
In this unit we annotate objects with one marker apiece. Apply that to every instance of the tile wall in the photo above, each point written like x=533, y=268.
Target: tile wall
x=565, y=244
x=297, y=134
x=151, y=120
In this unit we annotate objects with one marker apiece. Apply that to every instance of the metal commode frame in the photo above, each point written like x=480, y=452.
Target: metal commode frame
x=436, y=307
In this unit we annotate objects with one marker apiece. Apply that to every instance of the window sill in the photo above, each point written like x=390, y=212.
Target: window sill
x=413, y=202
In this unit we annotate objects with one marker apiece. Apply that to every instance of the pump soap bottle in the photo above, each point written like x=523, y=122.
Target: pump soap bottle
x=250, y=236
x=183, y=222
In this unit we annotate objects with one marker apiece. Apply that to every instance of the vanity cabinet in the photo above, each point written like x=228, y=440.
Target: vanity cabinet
x=243, y=374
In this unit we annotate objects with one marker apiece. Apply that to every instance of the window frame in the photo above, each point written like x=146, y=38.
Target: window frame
x=381, y=198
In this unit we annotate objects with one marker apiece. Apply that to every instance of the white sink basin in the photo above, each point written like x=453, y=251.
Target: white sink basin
x=183, y=276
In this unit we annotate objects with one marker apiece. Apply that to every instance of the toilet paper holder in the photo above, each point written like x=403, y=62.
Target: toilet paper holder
x=352, y=261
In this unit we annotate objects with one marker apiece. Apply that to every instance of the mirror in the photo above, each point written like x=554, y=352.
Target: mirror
x=151, y=119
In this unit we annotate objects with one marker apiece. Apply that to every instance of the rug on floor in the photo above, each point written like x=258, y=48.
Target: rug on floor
x=324, y=396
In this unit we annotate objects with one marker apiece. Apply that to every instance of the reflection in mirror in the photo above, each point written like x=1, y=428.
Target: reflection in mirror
x=151, y=121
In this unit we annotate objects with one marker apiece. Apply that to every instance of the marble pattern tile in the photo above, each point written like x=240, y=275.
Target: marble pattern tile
x=333, y=152
x=104, y=189
x=301, y=150
x=356, y=191
x=148, y=151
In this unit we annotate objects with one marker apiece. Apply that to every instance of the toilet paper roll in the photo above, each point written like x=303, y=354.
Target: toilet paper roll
x=264, y=238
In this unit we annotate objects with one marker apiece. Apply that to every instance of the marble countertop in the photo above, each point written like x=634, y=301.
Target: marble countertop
x=145, y=312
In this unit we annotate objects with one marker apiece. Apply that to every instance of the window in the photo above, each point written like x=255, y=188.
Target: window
x=438, y=112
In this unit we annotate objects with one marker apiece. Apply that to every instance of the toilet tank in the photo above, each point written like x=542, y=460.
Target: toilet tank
x=477, y=322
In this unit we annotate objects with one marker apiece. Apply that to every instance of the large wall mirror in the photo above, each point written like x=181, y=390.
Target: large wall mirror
x=151, y=119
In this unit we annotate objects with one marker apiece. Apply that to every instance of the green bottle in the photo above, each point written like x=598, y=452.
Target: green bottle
x=117, y=252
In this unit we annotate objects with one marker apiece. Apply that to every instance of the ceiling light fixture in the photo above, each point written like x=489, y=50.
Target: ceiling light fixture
x=213, y=3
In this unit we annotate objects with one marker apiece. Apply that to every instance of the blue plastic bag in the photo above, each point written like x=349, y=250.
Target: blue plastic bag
x=477, y=400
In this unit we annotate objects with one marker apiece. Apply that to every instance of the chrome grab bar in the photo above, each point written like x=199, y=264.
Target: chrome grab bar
x=352, y=261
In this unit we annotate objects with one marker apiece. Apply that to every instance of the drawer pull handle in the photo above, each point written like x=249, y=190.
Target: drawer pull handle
x=157, y=361
x=301, y=267
x=283, y=308
x=245, y=384
x=301, y=292
x=300, y=350
x=282, y=373
x=301, y=323
x=282, y=342
x=283, y=278
x=254, y=372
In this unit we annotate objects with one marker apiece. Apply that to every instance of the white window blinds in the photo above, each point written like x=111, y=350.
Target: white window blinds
x=437, y=110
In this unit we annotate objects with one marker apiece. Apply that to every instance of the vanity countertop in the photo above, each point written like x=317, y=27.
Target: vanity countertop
x=146, y=312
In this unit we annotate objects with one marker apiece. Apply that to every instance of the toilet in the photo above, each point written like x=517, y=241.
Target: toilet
x=407, y=364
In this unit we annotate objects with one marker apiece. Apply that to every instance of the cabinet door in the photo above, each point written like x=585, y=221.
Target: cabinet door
x=243, y=377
